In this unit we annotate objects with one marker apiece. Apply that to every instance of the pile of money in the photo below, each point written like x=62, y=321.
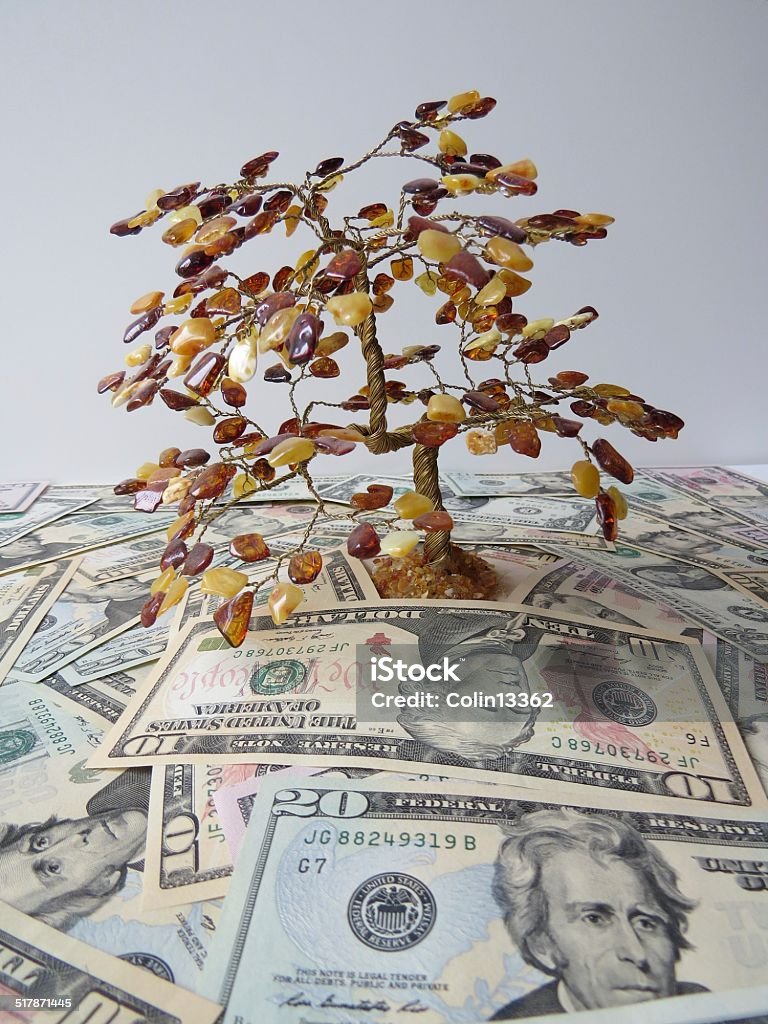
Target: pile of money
x=554, y=802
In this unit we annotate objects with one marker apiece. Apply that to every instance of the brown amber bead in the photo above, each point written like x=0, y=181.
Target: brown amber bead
x=192, y=457
x=277, y=374
x=305, y=566
x=302, y=338
x=446, y=314
x=402, y=269
x=363, y=541
x=251, y=167
x=178, y=197
x=372, y=211
x=266, y=309
x=151, y=608
x=382, y=283
x=204, y=372
x=168, y=456
x=523, y=438
x=249, y=547
x=501, y=226
x=377, y=496
x=233, y=617
x=212, y=481
x=410, y=139
x=568, y=379
x=515, y=184
x=279, y=201
x=606, y=515
x=427, y=111
x=433, y=434
x=531, y=351
x=344, y=265
x=328, y=166
x=468, y=268
x=229, y=429
x=174, y=555
x=129, y=486
x=256, y=283
x=143, y=323
x=432, y=521
x=234, y=394
x=143, y=395
x=111, y=382
x=227, y=300
x=613, y=463
x=480, y=400
x=176, y=401
x=324, y=368
x=199, y=558
x=193, y=263
x=565, y=427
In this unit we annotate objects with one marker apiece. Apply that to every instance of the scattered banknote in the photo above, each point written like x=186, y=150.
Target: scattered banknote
x=355, y=899
x=25, y=598
x=48, y=509
x=753, y=583
x=50, y=804
x=574, y=515
x=134, y=646
x=556, y=703
x=17, y=497
x=49, y=977
x=709, y=482
x=719, y=555
x=700, y=596
x=102, y=700
x=75, y=535
x=744, y=684
x=491, y=485
x=82, y=618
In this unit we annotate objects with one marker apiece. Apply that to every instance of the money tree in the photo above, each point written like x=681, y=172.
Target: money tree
x=246, y=343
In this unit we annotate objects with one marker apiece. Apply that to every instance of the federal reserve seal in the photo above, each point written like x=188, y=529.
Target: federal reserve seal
x=278, y=676
x=391, y=912
x=15, y=743
x=624, y=703
x=150, y=963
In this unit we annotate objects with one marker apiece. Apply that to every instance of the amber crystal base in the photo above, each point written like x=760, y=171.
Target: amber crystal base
x=465, y=577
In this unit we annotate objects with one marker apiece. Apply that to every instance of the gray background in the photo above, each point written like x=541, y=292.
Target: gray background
x=653, y=111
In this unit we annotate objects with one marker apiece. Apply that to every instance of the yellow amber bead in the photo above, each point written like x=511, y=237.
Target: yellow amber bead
x=537, y=327
x=462, y=100
x=438, y=245
x=331, y=343
x=399, y=543
x=176, y=490
x=292, y=450
x=585, y=478
x=515, y=284
x=460, y=184
x=349, y=310
x=243, y=484
x=594, y=220
x=384, y=220
x=179, y=233
x=179, y=304
x=507, y=253
x=481, y=442
x=291, y=220
x=200, y=416
x=179, y=524
x=277, y=328
x=242, y=359
x=138, y=355
x=611, y=390
x=185, y=213
x=488, y=339
x=150, y=203
x=143, y=220
x=163, y=581
x=174, y=594
x=625, y=410
x=330, y=183
x=179, y=366
x=221, y=581
x=524, y=168
x=306, y=264
x=284, y=599
x=145, y=470
x=192, y=336
x=412, y=504
x=445, y=408
x=492, y=293
x=450, y=143
x=619, y=502
x=214, y=229
x=427, y=282
x=146, y=302
x=125, y=394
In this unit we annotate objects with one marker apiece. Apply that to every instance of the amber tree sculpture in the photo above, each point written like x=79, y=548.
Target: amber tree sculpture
x=297, y=320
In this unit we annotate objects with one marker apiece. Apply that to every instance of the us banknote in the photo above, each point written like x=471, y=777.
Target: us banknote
x=75, y=535
x=356, y=900
x=709, y=482
x=135, y=646
x=100, y=701
x=82, y=618
x=187, y=858
x=719, y=555
x=491, y=485
x=72, y=842
x=48, y=977
x=703, y=598
x=541, y=695
x=753, y=583
x=17, y=497
x=25, y=597
x=744, y=683
x=47, y=509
